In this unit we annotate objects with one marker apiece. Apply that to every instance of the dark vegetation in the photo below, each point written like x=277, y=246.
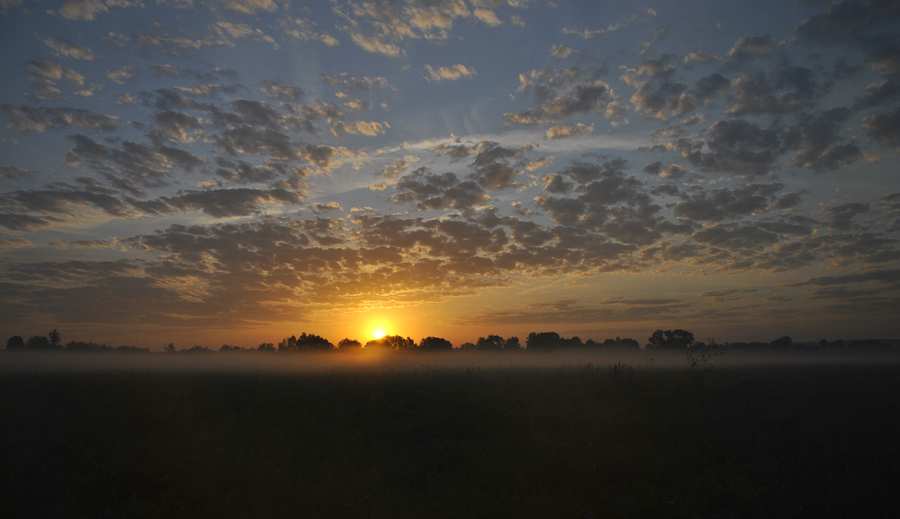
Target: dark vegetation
x=578, y=441
x=536, y=342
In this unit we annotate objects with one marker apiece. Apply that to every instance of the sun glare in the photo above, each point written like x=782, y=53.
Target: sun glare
x=378, y=333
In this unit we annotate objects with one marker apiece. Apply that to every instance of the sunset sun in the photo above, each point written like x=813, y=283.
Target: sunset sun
x=378, y=333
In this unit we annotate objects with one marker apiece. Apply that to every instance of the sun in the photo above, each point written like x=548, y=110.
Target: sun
x=378, y=333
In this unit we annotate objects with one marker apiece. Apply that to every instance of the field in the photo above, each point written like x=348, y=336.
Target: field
x=433, y=440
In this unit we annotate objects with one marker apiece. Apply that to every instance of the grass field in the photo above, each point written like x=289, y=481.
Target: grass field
x=573, y=441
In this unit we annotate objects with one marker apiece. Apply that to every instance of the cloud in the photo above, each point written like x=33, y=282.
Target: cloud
x=438, y=191
x=882, y=93
x=487, y=16
x=736, y=237
x=7, y=242
x=379, y=27
x=165, y=70
x=68, y=270
x=5, y=5
x=107, y=243
x=607, y=204
x=241, y=30
x=122, y=75
x=570, y=311
x=330, y=206
x=561, y=94
x=175, y=126
x=673, y=171
x=556, y=183
x=302, y=29
x=564, y=211
x=736, y=147
x=35, y=205
x=248, y=6
x=245, y=173
x=842, y=215
x=65, y=48
x=14, y=173
x=26, y=118
x=890, y=277
x=701, y=57
x=561, y=51
x=373, y=44
x=626, y=21
x=560, y=131
x=393, y=170
x=81, y=9
x=450, y=73
x=207, y=90
x=751, y=45
x=493, y=165
x=658, y=94
x=848, y=20
x=177, y=46
x=48, y=70
x=347, y=83
x=278, y=91
x=884, y=128
x=24, y=222
x=219, y=203
x=817, y=144
x=725, y=203
x=789, y=89
x=370, y=129
x=133, y=166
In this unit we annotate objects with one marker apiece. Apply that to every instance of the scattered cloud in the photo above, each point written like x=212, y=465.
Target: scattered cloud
x=86, y=10
x=561, y=131
x=449, y=73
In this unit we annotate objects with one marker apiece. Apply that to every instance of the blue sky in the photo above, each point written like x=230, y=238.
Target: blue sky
x=238, y=171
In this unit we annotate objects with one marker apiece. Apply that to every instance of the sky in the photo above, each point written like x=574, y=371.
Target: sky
x=238, y=171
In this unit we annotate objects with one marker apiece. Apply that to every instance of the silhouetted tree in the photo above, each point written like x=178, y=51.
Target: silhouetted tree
x=574, y=342
x=467, y=346
x=288, y=344
x=349, y=345
x=266, y=346
x=230, y=349
x=512, y=344
x=54, y=338
x=306, y=342
x=490, y=343
x=670, y=340
x=618, y=342
x=313, y=342
x=86, y=346
x=38, y=343
x=131, y=349
x=435, y=344
x=170, y=348
x=868, y=344
x=15, y=343
x=540, y=342
x=782, y=343
x=392, y=343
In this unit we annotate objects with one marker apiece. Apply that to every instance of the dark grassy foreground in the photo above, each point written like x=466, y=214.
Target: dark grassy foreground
x=515, y=442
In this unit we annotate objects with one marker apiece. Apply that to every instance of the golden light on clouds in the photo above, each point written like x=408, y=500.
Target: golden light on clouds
x=264, y=169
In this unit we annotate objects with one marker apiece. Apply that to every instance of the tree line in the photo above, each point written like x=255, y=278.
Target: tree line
x=660, y=340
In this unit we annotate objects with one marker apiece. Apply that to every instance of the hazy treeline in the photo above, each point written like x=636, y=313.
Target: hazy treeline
x=660, y=340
